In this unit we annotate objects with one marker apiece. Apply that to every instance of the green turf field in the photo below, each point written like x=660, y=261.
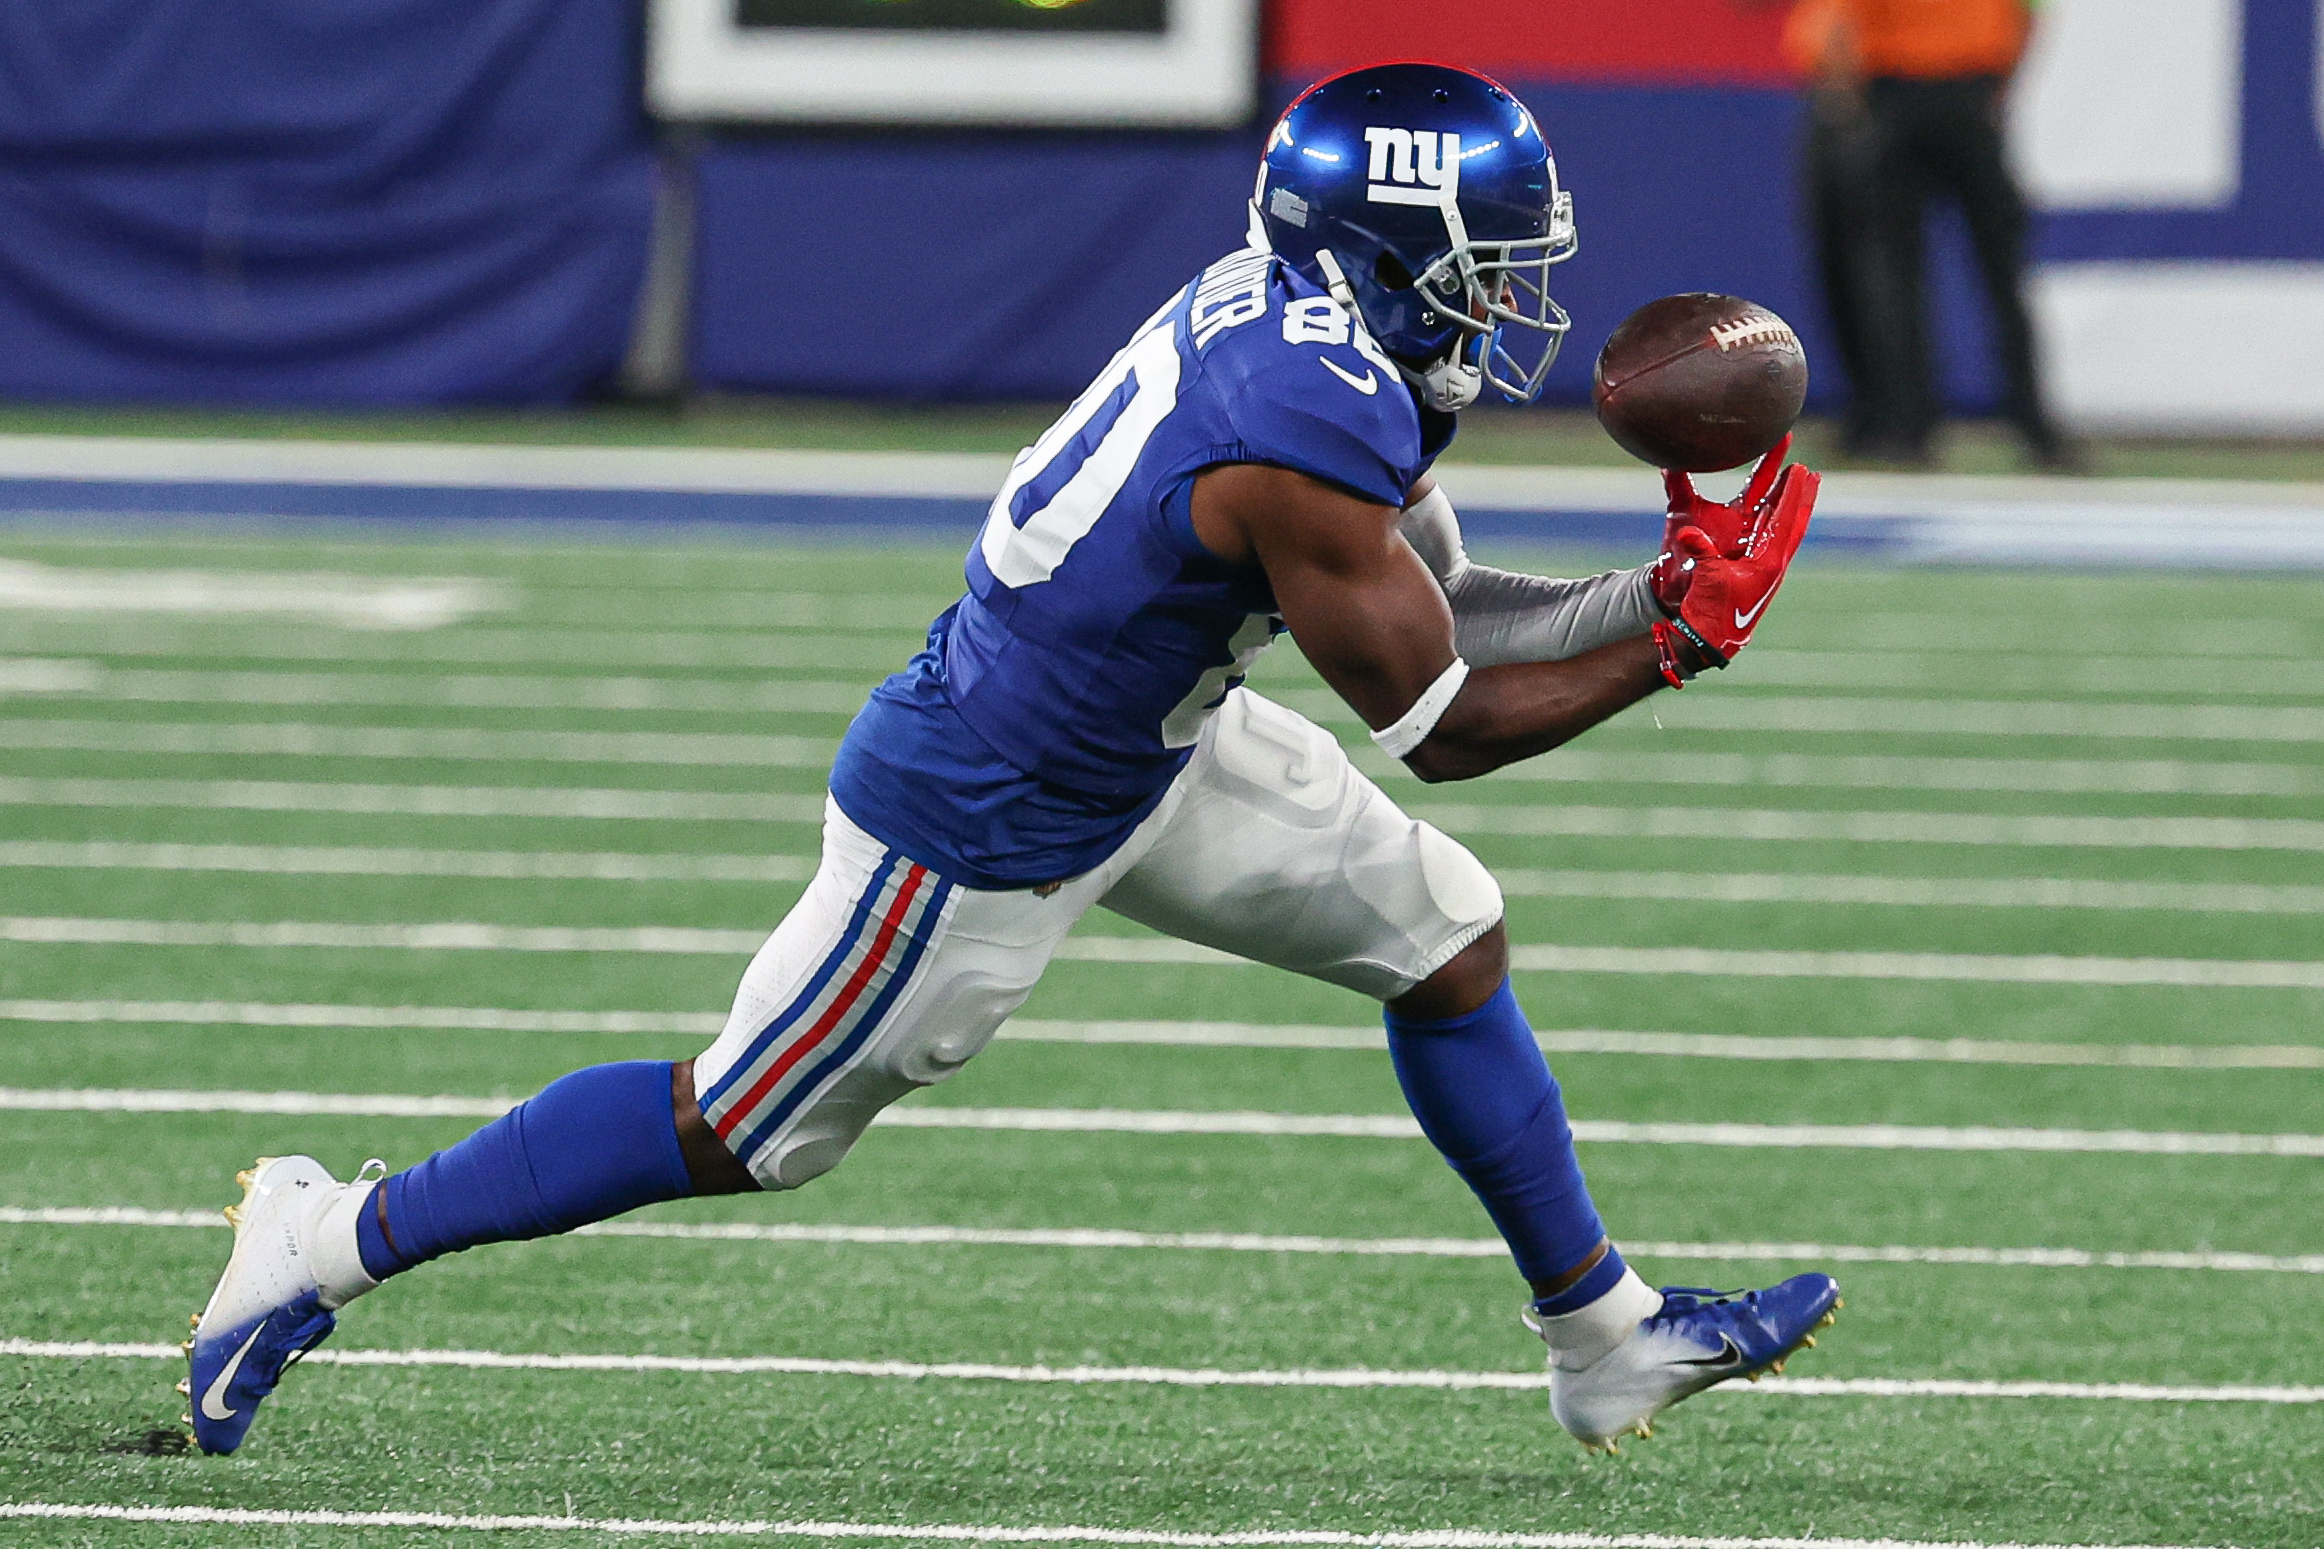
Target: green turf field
x=2032, y=861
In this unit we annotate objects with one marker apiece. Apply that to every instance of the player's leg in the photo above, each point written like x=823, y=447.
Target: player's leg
x=882, y=978
x=1278, y=850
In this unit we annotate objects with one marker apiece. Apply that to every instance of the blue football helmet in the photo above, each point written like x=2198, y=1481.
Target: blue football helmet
x=1422, y=198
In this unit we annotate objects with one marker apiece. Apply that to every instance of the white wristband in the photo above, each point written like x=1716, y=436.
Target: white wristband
x=1399, y=740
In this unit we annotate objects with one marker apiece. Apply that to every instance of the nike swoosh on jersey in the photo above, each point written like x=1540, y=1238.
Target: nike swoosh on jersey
x=211, y=1394
x=1743, y=620
x=1367, y=384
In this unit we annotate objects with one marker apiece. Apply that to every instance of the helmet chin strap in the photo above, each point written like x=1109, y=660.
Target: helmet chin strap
x=1447, y=386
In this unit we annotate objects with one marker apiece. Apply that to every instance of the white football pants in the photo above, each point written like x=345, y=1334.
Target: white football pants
x=885, y=976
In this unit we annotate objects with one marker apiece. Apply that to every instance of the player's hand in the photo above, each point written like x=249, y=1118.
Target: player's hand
x=1720, y=598
x=1723, y=522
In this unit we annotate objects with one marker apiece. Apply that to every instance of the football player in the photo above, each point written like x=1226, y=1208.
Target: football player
x=1077, y=733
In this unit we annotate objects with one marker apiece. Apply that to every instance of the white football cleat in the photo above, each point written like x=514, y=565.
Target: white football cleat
x=294, y=1264
x=1697, y=1339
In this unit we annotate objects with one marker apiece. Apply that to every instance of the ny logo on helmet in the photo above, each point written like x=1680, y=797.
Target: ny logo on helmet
x=1413, y=166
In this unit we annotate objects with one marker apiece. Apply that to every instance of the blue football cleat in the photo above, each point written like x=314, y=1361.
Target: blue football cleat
x=1698, y=1339
x=271, y=1305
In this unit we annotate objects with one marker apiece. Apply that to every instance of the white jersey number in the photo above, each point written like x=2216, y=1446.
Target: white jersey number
x=1026, y=553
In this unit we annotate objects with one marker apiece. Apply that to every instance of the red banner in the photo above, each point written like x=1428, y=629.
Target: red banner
x=1645, y=42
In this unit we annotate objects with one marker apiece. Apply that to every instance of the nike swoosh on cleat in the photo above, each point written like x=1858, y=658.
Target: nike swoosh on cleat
x=1743, y=620
x=211, y=1394
x=1728, y=1355
x=1367, y=384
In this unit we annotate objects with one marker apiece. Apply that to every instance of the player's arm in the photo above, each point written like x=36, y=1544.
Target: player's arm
x=1374, y=623
x=1509, y=616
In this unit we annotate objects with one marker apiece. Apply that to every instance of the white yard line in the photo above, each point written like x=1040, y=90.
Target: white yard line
x=349, y=601
x=1253, y=1242
x=1196, y=1035
x=350, y=860
x=340, y=1018
x=951, y=1532
x=1147, y=1121
x=299, y=739
x=2299, y=835
x=1519, y=882
x=2144, y=719
x=1879, y=827
x=1716, y=1046
x=1962, y=967
x=1188, y=1377
x=1734, y=887
x=470, y=801
x=475, y=691
x=2166, y=721
x=478, y=936
x=2134, y=777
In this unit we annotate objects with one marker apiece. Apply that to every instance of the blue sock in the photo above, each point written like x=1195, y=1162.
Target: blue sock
x=1485, y=1097
x=586, y=1146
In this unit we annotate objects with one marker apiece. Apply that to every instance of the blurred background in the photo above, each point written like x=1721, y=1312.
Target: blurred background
x=401, y=204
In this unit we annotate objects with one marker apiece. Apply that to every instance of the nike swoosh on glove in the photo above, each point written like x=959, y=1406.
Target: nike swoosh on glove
x=1723, y=522
x=1717, y=599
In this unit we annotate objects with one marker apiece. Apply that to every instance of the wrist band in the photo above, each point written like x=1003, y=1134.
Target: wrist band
x=1412, y=730
x=1711, y=653
x=1666, y=656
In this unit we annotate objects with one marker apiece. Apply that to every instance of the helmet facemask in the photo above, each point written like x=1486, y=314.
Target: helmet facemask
x=1486, y=289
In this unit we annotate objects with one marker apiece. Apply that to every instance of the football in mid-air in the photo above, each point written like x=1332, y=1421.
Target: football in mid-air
x=1700, y=382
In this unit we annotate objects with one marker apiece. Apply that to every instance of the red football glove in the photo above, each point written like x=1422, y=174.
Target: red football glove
x=1722, y=523
x=1715, y=599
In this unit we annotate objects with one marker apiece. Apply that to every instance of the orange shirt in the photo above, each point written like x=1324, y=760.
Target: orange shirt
x=1926, y=38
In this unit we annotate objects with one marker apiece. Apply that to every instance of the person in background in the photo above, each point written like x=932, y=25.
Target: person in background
x=1908, y=102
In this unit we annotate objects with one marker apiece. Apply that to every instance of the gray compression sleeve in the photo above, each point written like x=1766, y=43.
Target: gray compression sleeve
x=1504, y=616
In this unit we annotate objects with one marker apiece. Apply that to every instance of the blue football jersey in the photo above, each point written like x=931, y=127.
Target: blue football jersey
x=1057, y=699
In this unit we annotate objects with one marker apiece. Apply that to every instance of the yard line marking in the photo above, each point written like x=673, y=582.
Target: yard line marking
x=39, y=675
x=2135, y=777
x=1147, y=1121
x=1727, y=1046
x=2148, y=720
x=1187, y=1377
x=444, y=936
x=951, y=1532
x=1877, y=827
x=1964, y=967
x=1237, y=1035
x=349, y=601
x=477, y=936
x=2151, y=720
x=1520, y=882
x=355, y=860
x=480, y=1019
x=464, y=690
x=1584, y=821
x=418, y=800
x=2122, y=776
x=1916, y=892
x=1254, y=1242
x=299, y=739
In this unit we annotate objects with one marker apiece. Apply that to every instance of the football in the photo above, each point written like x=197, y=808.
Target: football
x=1700, y=382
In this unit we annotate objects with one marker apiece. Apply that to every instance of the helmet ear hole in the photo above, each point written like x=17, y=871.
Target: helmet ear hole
x=1389, y=270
